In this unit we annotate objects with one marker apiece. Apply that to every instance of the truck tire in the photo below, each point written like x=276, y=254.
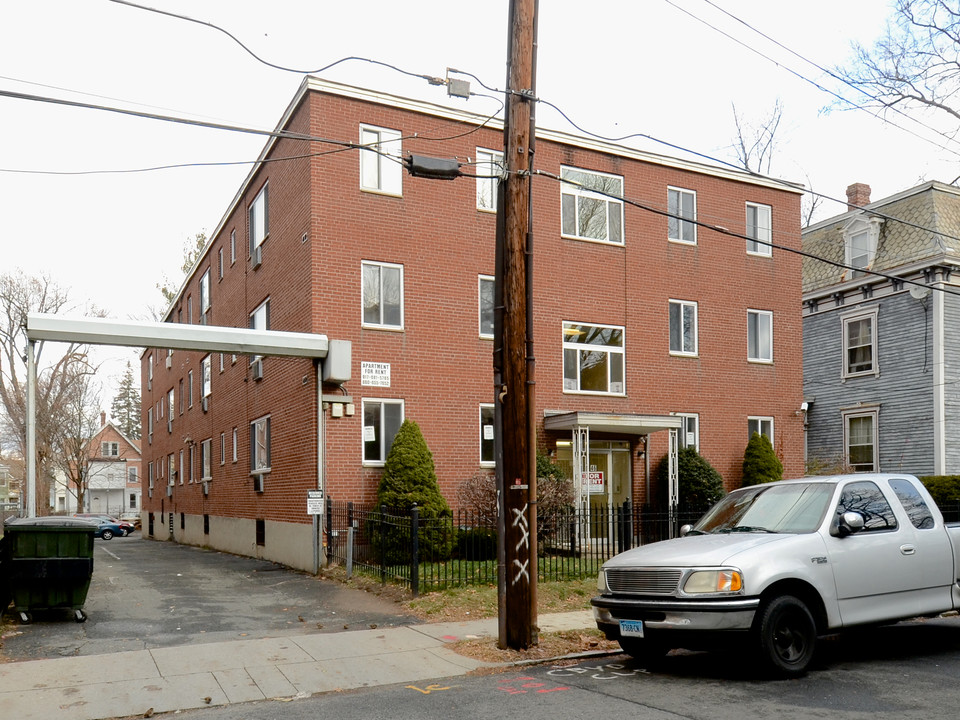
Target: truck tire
x=787, y=636
x=647, y=653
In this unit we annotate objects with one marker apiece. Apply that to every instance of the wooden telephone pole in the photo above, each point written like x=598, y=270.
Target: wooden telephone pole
x=513, y=352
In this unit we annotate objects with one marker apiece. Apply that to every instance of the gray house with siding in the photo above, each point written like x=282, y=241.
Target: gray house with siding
x=881, y=334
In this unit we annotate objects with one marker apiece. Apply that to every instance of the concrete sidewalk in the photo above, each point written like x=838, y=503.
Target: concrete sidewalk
x=165, y=679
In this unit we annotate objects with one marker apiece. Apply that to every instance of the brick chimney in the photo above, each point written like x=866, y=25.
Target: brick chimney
x=103, y=418
x=858, y=195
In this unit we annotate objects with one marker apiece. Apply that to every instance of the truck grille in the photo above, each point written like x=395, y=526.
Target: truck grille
x=643, y=582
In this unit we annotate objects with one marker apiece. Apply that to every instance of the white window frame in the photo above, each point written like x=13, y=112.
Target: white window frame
x=378, y=430
x=258, y=215
x=234, y=456
x=181, y=472
x=190, y=390
x=485, y=281
x=759, y=229
x=489, y=168
x=205, y=298
x=578, y=194
x=574, y=350
x=676, y=220
x=872, y=412
x=871, y=315
x=109, y=449
x=220, y=263
x=206, y=461
x=233, y=246
x=366, y=265
x=757, y=423
x=260, y=442
x=867, y=231
x=223, y=448
x=381, y=167
x=172, y=408
x=684, y=305
x=206, y=378
x=760, y=354
x=691, y=424
x=487, y=435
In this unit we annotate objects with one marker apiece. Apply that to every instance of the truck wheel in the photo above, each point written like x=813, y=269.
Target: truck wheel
x=787, y=635
x=646, y=652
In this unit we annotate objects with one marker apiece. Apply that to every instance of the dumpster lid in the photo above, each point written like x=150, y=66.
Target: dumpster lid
x=52, y=521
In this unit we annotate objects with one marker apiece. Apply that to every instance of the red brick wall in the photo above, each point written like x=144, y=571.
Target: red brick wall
x=439, y=366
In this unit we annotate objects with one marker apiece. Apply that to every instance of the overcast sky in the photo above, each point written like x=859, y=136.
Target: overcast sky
x=670, y=69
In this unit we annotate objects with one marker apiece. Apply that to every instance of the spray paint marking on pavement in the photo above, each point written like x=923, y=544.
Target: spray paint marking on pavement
x=523, y=685
x=429, y=688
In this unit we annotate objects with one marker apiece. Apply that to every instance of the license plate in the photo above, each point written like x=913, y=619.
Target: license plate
x=631, y=628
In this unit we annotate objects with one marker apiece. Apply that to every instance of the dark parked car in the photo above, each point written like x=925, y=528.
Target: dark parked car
x=109, y=526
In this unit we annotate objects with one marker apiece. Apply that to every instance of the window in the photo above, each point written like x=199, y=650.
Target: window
x=593, y=358
x=760, y=336
x=682, y=209
x=109, y=449
x=171, y=407
x=486, y=306
x=150, y=372
x=205, y=459
x=381, y=421
x=220, y=263
x=132, y=501
x=860, y=237
x=172, y=468
x=488, y=171
x=586, y=209
x=487, y=457
x=381, y=168
x=690, y=431
x=233, y=246
x=913, y=504
x=761, y=426
x=205, y=377
x=260, y=446
x=758, y=229
x=205, y=298
x=866, y=499
x=860, y=343
x=259, y=320
x=259, y=221
x=223, y=448
x=132, y=473
x=183, y=468
x=150, y=425
x=150, y=476
x=193, y=463
x=683, y=327
x=860, y=439
x=233, y=457
x=382, y=295
x=221, y=362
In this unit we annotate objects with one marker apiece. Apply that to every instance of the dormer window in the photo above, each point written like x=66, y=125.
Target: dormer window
x=860, y=237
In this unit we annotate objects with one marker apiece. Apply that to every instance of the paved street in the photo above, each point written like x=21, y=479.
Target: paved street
x=147, y=594
x=904, y=671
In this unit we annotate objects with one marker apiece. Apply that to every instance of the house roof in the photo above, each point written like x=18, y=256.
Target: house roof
x=929, y=233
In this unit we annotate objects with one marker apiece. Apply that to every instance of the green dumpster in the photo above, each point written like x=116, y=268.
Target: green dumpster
x=47, y=563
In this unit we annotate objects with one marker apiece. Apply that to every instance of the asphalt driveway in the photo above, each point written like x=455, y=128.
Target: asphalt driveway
x=147, y=594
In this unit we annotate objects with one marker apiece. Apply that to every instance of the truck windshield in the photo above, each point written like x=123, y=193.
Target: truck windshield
x=793, y=508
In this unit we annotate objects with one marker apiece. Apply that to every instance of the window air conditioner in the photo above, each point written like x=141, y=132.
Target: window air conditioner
x=169, y=362
x=257, y=256
x=206, y=487
x=257, y=369
x=205, y=404
x=258, y=483
x=169, y=490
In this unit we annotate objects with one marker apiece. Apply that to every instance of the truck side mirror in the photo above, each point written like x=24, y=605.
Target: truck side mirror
x=684, y=529
x=850, y=522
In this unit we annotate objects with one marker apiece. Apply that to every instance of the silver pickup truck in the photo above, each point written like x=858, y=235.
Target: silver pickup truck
x=772, y=567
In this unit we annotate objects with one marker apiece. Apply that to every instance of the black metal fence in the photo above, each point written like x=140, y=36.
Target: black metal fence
x=428, y=554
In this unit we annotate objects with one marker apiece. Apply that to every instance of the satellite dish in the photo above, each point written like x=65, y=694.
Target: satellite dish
x=919, y=293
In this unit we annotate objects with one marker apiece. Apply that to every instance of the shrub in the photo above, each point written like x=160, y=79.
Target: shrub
x=699, y=483
x=760, y=462
x=945, y=489
x=409, y=478
x=478, y=543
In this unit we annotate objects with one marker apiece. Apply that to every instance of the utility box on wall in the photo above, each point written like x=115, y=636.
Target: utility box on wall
x=336, y=366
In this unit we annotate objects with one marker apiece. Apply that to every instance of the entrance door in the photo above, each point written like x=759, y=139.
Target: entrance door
x=609, y=463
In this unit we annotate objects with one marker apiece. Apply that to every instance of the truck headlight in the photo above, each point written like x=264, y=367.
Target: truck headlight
x=713, y=581
x=602, y=582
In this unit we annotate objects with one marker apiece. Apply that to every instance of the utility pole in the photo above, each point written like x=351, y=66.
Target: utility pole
x=513, y=352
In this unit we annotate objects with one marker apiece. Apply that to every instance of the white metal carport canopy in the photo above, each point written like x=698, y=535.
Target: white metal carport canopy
x=173, y=336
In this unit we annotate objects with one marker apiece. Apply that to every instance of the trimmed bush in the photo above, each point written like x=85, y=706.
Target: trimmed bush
x=944, y=488
x=760, y=462
x=409, y=478
x=699, y=483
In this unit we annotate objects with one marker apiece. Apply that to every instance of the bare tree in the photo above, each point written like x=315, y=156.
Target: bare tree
x=79, y=421
x=192, y=249
x=755, y=142
x=915, y=63
x=20, y=295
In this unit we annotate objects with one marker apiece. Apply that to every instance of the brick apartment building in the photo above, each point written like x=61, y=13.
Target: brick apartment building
x=643, y=323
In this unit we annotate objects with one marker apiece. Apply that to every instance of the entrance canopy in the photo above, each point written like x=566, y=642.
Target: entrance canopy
x=612, y=423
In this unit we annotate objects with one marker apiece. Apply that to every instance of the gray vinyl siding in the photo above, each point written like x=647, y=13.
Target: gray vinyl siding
x=951, y=358
x=903, y=390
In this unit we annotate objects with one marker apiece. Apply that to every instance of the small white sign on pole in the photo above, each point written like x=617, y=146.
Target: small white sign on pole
x=314, y=502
